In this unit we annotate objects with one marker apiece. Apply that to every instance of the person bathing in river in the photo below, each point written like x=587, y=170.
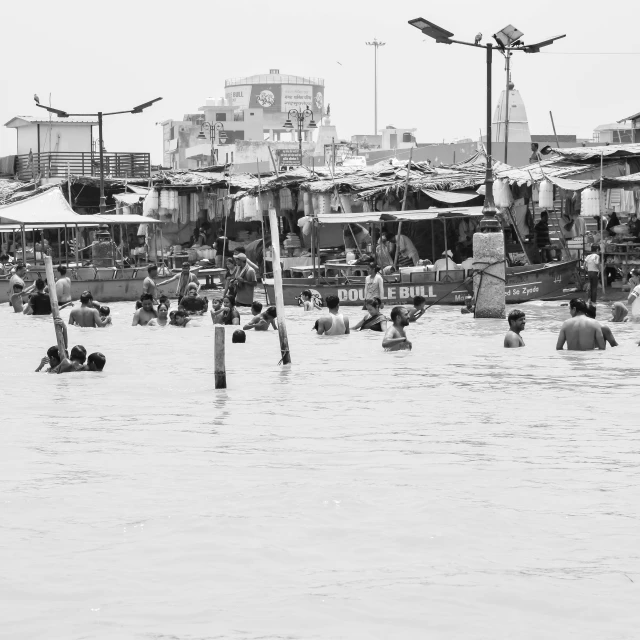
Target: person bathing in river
x=179, y=318
x=607, y=334
x=517, y=320
x=39, y=303
x=163, y=316
x=307, y=300
x=335, y=324
x=217, y=311
x=395, y=339
x=149, y=284
x=146, y=313
x=184, y=278
x=580, y=332
x=619, y=313
x=63, y=286
x=374, y=320
x=87, y=315
x=263, y=321
x=419, y=308
x=192, y=303
x=16, y=297
x=469, y=307
x=230, y=314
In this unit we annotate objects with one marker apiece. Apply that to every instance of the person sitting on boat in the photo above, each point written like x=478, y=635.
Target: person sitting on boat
x=141, y=250
x=63, y=286
x=146, y=313
x=543, y=240
x=446, y=263
x=406, y=250
x=335, y=324
x=192, y=303
x=39, y=303
x=634, y=226
x=230, y=314
x=419, y=308
x=516, y=320
x=87, y=315
x=384, y=252
x=395, y=338
x=374, y=320
x=373, y=283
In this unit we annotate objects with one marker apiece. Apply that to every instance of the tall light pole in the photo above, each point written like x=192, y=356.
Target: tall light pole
x=213, y=128
x=375, y=44
x=508, y=40
x=300, y=116
x=100, y=115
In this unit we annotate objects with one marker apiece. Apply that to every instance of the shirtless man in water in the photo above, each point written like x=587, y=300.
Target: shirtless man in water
x=146, y=313
x=580, y=332
x=87, y=315
x=395, y=339
x=513, y=339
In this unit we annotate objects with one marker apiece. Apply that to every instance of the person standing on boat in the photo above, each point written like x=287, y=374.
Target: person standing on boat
x=63, y=286
x=580, y=333
x=384, y=252
x=543, y=240
x=335, y=324
x=517, y=320
x=406, y=250
x=149, y=284
x=395, y=339
x=184, y=278
x=592, y=263
x=245, y=281
x=373, y=283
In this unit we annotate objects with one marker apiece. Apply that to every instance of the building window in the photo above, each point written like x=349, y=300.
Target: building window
x=172, y=133
x=232, y=157
x=221, y=117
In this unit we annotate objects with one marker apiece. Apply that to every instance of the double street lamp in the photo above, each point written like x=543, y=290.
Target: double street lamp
x=299, y=117
x=64, y=114
x=508, y=40
x=213, y=128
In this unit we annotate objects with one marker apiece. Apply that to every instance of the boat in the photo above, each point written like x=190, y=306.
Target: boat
x=550, y=281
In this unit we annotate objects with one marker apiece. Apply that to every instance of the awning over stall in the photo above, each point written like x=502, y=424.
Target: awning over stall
x=49, y=207
x=397, y=216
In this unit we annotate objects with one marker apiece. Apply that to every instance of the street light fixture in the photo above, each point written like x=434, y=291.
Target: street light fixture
x=213, y=128
x=508, y=41
x=100, y=115
x=299, y=117
x=376, y=44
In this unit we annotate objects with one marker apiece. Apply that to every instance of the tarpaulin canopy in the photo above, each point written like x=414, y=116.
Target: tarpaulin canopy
x=594, y=153
x=572, y=185
x=450, y=197
x=397, y=216
x=49, y=207
x=125, y=219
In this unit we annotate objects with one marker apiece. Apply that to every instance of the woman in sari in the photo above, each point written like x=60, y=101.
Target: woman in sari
x=374, y=320
x=230, y=277
x=619, y=312
x=230, y=314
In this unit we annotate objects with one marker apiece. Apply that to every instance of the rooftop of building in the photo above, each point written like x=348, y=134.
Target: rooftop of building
x=273, y=78
x=56, y=120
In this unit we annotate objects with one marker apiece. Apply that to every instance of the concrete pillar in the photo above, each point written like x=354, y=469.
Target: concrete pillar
x=488, y=248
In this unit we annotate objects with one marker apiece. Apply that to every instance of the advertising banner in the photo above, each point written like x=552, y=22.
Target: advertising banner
x=238, y=96
x=318, y=99
x=296, y=96
x=266, y=96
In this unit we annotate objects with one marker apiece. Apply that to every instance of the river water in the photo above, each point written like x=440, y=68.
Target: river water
x=459, y=491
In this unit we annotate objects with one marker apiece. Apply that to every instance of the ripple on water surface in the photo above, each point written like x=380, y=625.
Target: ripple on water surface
x=460, y=490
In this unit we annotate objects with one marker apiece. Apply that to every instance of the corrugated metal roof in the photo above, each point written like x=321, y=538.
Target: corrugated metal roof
x=54, y=120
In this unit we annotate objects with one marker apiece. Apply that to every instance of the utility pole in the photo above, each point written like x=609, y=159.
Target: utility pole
x=375, y=44
x=508, y=55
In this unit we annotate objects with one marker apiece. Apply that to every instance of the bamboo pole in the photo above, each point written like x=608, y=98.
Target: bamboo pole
x=24, y=246
x=219, y=371
x=55, y=311
x=264, y=247
x=404, y=204
x=77, y=249
x=600, y=202
x=277, y=281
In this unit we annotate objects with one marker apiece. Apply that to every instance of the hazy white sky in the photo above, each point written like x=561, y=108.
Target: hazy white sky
x=118, y=54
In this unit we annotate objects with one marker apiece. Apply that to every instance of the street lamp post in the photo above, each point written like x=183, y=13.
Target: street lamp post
x=299, y=117
x=100, y=115
x=508, y=40
x=213, y=128
x=376, y=45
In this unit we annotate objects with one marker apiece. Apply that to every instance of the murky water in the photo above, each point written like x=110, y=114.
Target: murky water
x=457, y=491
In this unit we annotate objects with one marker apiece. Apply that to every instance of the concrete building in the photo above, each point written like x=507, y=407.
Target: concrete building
x=613, y=133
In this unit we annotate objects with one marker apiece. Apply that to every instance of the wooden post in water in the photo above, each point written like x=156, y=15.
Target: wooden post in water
x=55, y=311
x=277, y=285
x=219, y=368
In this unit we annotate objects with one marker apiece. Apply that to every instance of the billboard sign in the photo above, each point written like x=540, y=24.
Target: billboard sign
x=298, y=97
x=288, y=158
x=265, y=96
x=238, y=96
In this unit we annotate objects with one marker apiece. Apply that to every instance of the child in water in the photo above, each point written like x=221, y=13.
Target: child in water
x=217, y=311
x=419, y=307
x=307, y=301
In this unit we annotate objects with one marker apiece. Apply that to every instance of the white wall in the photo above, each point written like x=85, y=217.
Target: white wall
x=73, y=137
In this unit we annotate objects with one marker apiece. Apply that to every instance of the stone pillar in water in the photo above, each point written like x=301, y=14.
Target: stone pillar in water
x=489, y=291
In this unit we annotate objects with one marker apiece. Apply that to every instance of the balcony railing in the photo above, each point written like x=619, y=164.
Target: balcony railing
x=58, y=164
